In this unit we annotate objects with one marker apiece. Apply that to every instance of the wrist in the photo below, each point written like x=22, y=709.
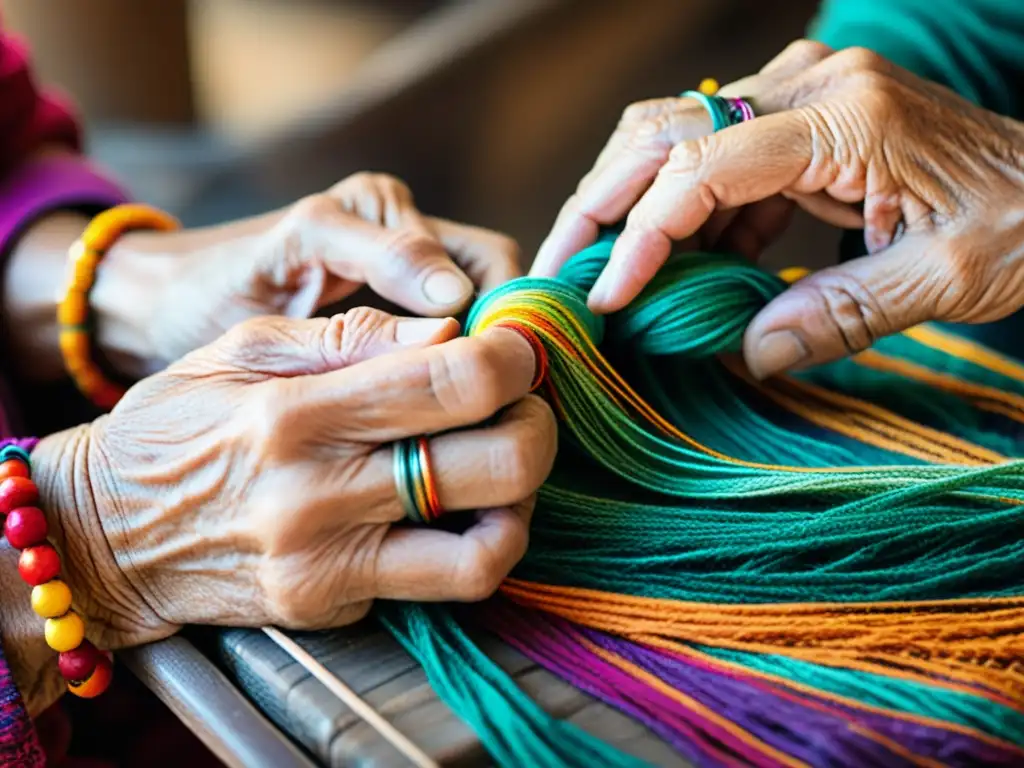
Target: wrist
x=79, y=495
x=128, y=284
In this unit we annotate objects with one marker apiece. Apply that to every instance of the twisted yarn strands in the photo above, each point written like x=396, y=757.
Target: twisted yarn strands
x=823, y=570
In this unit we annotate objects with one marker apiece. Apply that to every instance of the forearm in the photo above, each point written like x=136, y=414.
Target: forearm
x=974, y=47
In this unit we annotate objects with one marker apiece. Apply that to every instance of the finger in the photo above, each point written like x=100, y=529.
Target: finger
x=795, y=58
x=430, y=565
x=701, y=176
x=421, y=391
x=606, y=195
x=756, y=226
x=844, y=309
x=829, y=210
x=479, y=468
x=278, y=346
x=407, y=266
x=488, y=258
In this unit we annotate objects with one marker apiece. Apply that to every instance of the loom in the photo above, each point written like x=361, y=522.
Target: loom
x=826, y=569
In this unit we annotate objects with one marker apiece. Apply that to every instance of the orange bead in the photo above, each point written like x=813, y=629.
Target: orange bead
x=13, y=468
x=98, y=681
x=88, y=378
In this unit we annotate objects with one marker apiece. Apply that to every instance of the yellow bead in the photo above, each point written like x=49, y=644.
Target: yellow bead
x=793, y=274
x=73, y=309
x=65, y=633
x=51, y=599
x=83, y=270
x=708, y=86
x=74, y=345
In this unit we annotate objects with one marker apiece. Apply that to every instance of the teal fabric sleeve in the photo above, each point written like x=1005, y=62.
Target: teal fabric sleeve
x=974, y=47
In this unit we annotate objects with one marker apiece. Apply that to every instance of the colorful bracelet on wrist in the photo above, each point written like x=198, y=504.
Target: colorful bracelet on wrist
x=86, y=670
x=73, y=308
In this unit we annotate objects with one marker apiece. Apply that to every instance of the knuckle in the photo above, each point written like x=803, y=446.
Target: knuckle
x=687, y=156
x=253, y=335
x=317, y=207
x=478, y=574
x=349, y=336
x=854, y=310
x=807, y=51
x=860, y=59
x=466, y=380
x=408, y=246
x=639, y=112
x=270, y=422
x=524, y=459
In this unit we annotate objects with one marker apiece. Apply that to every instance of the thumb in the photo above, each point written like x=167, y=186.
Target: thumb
x=279, y=346
x=407, y=265
x=844, y=309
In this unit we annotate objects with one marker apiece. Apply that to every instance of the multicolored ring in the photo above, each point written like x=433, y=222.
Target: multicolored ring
x=414, y=480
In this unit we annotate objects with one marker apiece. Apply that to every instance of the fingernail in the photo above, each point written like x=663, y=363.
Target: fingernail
x=445, y=287
x=776, y=352
x=417, y=330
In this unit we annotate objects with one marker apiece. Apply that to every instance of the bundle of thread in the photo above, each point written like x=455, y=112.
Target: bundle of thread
x=824, y=570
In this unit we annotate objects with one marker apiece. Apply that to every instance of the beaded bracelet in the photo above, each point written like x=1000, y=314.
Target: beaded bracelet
x=73, y=308
x=86, y=670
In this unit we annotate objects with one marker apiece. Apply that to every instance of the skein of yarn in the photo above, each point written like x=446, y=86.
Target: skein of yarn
x=825, y=569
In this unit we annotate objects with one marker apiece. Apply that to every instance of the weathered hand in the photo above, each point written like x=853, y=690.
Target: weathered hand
x=940, y=180
x=195, y=284
x=251, y=483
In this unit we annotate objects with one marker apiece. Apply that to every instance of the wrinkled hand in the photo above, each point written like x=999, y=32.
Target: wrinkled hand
x=941, y=183
x=251, y=483
x=366, y=230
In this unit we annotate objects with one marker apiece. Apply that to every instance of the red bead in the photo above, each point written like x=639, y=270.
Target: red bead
x=13, y=468
x=98, y=681
x=76, y=666
x=38, y=565
x=17, y=492
x=25, y=527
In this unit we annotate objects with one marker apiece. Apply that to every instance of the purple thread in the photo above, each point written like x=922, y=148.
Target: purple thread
x=767, y=711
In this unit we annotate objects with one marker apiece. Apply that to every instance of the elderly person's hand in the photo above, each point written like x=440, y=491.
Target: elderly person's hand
x=941, y=183
x=251, y=483
x=160, y=295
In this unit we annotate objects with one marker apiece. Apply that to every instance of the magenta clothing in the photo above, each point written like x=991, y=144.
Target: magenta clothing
x=30, y=188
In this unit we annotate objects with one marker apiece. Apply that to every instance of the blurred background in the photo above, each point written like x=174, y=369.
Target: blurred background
x=490, y=109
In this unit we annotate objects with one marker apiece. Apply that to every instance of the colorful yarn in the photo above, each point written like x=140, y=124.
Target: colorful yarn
x=822, y=570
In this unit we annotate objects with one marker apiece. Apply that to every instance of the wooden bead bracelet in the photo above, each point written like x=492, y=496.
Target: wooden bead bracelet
x=86, y=670
x=73, y=308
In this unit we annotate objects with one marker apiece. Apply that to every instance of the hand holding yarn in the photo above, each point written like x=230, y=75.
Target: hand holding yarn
x=251, y=483
x=940, y=181
x=366, y=230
